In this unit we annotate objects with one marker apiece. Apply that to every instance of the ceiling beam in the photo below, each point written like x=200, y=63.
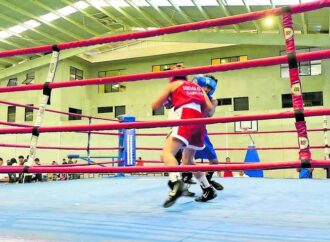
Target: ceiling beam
x=247, y=6
x=149, y=18
x=163, y=15
x=181, y=12
x=201, y=10
x=122, y=22
x=75, y=23
x=278, y=21
x=91, y=17
x=304, y=25
x=16, y=8
x=43, y=34
x=227, y=13
x=135, y=21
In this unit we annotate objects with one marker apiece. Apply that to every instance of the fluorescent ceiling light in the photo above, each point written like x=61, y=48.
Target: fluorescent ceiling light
x=207, y=2
x=4, y=34
x=67, y=10
x=234, y=3
x=258, y=2
x=118, y=3
x=49, y=17
x=183, y=2
x=81, y=5
x=140, y=3
x=18, y=29
x=32, y=23
x=160, y=3
x=285, y=2
x=99, y=3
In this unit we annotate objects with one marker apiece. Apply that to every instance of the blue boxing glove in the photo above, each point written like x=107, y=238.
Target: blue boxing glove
x=168, y=103
x=210, y=81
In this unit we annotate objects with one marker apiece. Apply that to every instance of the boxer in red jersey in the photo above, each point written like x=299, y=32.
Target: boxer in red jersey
x=189, y=101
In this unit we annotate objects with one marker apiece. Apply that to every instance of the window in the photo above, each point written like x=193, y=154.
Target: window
x=120, y=110
x=12, y=82
x=111, y=87
x=306, y=68
x=11, y=115
x=28, y=113
x=310, y=99
x=76, y=74
x=241, y=103
x=29, y=79
x=159, y=111
x=74, y=110
x=225, y=60
x=105, y=109
x=164, y=67
x=224, y=101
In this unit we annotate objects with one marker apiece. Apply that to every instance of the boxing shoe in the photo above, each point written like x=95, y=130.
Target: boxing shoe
x=216, y=185
x=213, y=183
x=176, y=192
x=208, y=194
x=185, y=190
x=189, y=181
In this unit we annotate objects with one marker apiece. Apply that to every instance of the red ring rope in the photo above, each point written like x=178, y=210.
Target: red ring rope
x=193, y=168
x=56, y=111
x=269, y=61
x=239, y=133
x=166, y=123
x=172, y=29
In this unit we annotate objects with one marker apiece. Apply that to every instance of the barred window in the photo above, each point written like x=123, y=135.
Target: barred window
x=76, y=74
x=311, y=99
x=164, y=67
x=225, y=60
x=241, y=103
x=306, y=68
x=28, y=113
x=120, y=110
x=76, y=111
x=111, y=87
x=11, y=114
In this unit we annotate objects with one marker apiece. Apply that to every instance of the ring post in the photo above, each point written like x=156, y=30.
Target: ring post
x=296, y=91
x=127, y=144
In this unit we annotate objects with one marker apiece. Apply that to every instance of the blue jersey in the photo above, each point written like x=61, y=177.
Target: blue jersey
x=208, y=152
x=305, y=173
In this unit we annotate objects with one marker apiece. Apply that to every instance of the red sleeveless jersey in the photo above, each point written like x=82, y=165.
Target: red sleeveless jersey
x=188, y=92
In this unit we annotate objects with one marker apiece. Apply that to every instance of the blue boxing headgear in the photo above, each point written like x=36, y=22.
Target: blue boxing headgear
x=204, y=80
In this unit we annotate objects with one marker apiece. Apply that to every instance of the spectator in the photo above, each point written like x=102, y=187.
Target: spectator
x=63, y=176
x=327, y=170
x=71, y=175
x=305, y=173
x=55, y=176
x=228, y=173
x=3, y=177
x=38, y=176
x=13, y=177
x=21, y=160
x=139, y=162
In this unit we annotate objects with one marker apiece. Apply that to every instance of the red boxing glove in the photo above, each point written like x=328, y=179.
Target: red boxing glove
x=168, y=103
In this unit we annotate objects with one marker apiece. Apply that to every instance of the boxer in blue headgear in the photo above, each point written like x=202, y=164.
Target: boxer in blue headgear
x=209, y=84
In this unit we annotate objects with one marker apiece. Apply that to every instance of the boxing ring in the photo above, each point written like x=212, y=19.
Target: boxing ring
x=129, y=208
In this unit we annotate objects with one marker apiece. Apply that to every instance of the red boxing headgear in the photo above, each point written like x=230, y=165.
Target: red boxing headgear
x=175, y=78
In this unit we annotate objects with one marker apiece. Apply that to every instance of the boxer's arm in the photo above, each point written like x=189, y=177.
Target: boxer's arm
x=161, y=99
x=214, y=105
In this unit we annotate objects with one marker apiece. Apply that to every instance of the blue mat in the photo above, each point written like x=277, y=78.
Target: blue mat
x=130, y=209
